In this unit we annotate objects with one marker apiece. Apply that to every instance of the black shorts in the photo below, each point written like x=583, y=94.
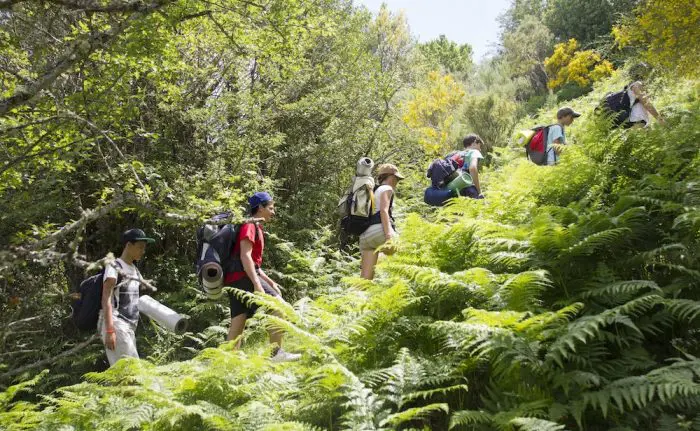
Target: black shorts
x=239, y=307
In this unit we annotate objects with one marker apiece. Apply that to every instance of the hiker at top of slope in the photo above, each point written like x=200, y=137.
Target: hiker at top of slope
x=641, y=106
x=630, y=107
x=556, y=136
x=468, y=161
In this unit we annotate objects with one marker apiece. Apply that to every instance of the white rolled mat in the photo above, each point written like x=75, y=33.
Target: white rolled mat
x=212, y=275
x=364, y=167
x=163, y=315
x=213, y=280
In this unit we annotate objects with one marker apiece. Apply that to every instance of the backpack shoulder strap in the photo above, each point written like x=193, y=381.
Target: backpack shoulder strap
x=115, y=292
x=545, y=136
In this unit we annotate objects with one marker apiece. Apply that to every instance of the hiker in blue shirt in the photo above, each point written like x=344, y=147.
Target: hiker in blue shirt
x=556, y=136
x=468, y=161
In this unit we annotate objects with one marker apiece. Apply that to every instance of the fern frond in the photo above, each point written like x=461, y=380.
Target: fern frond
x=577, y=379
x=688, y=221
x=429, y=393
x=534, y=424
x=685, y=310
x=521, y=292
x=632, y=218
x=415, y=413
x=511, y=259
x=470, y=417
x=628, y=287
x=588, y=328
x=12, y=391
x=663, y=384
x=600, y=240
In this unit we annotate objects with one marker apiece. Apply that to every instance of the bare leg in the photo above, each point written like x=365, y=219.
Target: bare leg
x=368, y=260
x=276, y=337
x=236, y=328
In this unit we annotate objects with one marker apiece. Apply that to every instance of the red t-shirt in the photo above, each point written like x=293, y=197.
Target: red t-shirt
x=247, y=231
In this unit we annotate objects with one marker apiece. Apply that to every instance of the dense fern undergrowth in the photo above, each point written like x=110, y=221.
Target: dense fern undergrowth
x=568, y=299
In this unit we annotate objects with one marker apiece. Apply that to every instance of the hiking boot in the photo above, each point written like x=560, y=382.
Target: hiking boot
x=283, y=356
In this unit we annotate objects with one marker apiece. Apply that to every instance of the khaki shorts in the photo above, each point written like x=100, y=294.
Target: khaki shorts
x=372, y=238
x=126, y=339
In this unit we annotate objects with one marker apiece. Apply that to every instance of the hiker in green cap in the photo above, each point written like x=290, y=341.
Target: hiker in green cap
x=120, y=313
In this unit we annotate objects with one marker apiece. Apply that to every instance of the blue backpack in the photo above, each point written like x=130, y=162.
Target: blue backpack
x=437, y=197
x=442, y=171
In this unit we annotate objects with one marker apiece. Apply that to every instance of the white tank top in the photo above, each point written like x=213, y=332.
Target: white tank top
x=638, y=113
x=378, y=194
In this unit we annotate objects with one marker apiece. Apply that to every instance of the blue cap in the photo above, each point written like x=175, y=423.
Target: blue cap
x=258, y=199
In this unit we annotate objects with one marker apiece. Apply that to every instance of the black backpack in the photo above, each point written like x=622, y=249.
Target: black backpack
x=219, y=249
x=205, y=233
x=356, y=207
x=86, y=310
x=618, y=106
x=442, y=171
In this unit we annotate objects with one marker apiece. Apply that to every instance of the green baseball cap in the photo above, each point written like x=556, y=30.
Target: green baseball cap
x=133, y=235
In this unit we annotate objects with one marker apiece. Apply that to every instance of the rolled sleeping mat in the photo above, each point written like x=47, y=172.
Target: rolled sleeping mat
x=523, y=136
x=212, y=280
x=461, y=182
x=364, y=167
x=437, y=197
x=165, y=317
x=448, y=179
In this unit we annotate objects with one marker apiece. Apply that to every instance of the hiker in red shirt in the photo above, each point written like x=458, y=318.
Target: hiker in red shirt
x=249, y=246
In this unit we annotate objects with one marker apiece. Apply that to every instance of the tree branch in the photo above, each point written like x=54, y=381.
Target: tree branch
x=10, y=163
x=97, y=6
x=87, y=217
x=92, y=126
x=49, y=360
x=31, y=123
x=78, y=51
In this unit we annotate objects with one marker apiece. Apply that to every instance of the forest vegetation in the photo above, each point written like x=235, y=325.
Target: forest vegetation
x=568, y=299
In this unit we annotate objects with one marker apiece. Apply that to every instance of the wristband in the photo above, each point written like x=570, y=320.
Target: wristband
x=110, y=331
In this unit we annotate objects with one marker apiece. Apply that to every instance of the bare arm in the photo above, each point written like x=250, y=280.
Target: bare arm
x=249, y=265
x=638, y=91
x=107, y=310
x=474, y=172
x=556, y=144
x=270, y=281
x=384, y=202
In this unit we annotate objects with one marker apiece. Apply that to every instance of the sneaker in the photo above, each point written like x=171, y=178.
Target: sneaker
x=283, y=356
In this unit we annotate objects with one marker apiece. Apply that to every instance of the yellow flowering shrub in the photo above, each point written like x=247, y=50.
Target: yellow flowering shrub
x=569, y=65
x=431, y=110
x=669, y=32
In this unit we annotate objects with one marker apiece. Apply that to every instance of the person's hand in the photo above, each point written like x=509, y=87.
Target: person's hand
x=111, y=340
x=661, y=120
x=257, y=288
x=558, y=148
x=388, y=248
x=277, y=288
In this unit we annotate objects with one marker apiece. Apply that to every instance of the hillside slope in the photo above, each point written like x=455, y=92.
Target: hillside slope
x=568, y=299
